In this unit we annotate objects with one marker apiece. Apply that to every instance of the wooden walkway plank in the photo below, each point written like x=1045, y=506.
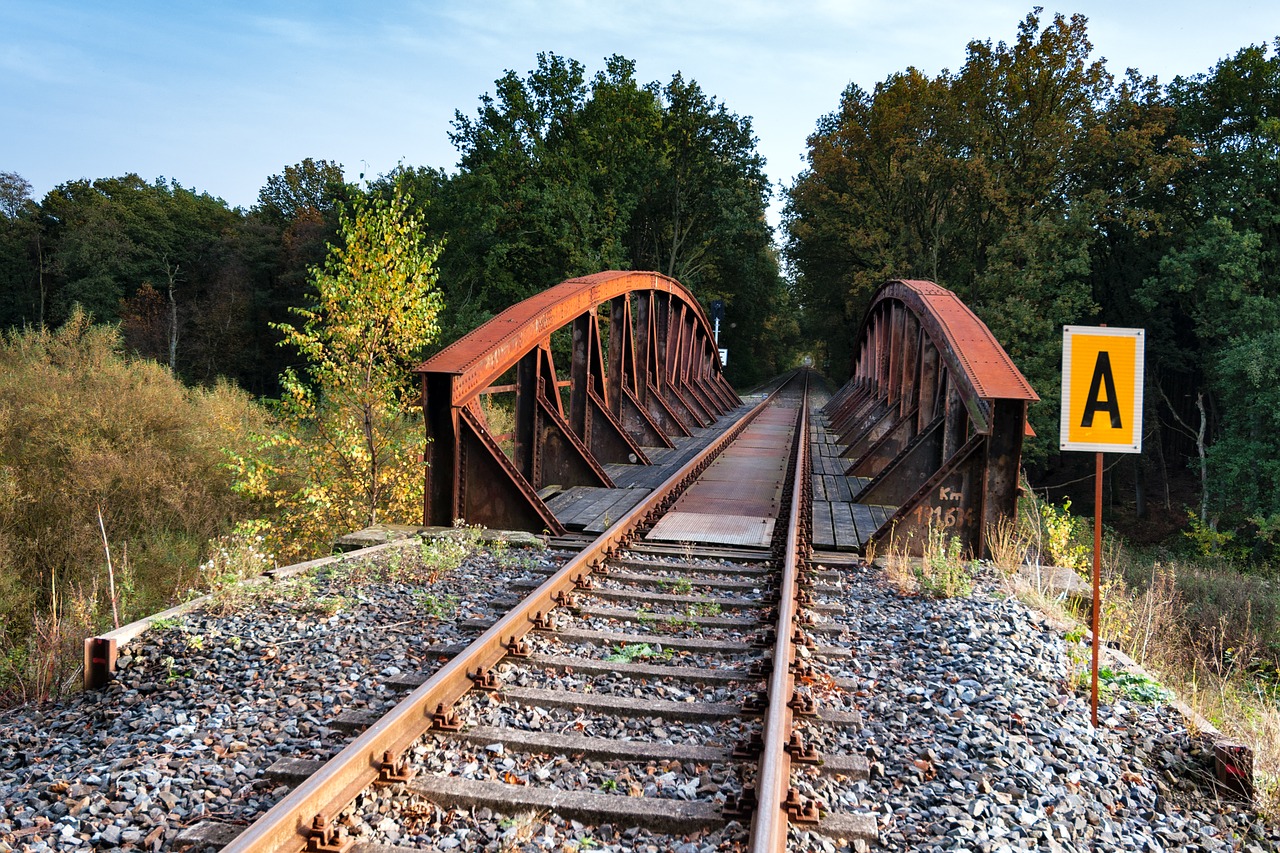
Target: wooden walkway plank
x=823, y=534
x=865, y=523
x=846, y=533
x=625, y=500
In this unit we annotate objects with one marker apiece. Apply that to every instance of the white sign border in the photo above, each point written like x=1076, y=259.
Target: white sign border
x=1139, y=369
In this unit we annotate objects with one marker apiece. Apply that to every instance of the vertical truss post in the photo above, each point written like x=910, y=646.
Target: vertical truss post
x=441, y=471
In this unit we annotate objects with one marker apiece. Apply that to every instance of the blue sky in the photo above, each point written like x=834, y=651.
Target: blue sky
x=220, y=95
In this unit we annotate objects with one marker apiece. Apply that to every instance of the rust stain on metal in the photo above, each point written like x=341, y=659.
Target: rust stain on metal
x=988, y=367
x=491, y=350
x=658, y=377
x=935, y=415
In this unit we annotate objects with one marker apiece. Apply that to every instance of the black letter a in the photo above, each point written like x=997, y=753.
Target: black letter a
x=1102, y=374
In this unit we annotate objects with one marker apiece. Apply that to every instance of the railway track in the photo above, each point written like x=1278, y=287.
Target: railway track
x=627, y=699
x=652, y=676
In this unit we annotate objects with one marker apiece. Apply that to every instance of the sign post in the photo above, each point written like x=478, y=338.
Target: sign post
x=1101, y=411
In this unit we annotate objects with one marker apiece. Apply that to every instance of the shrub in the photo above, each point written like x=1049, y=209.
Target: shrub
x=942, y=572
x=1066, y=539
x=89, y=428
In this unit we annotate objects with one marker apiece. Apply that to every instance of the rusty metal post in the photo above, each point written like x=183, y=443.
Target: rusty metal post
x=911, y=343
x=621, y=353
x=525, y=455
x=1097, y=586
x=580, y=376
x=956, y=428
x=1004, y=455
x=440, y=473
x=928, y=383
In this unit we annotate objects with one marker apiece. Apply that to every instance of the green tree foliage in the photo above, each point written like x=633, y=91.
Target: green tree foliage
x=1046, y=192
x=347, y=447
x=108, y=237
x=1214, y=294
x=87, y=427
x=194, y=284
x=969, y=179
x=307, y=191
x=997, y=181
x=21, y=294
x=560, y=176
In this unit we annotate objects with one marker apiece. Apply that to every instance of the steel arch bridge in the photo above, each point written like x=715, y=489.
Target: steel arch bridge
x=928, y=431
x=653, y=373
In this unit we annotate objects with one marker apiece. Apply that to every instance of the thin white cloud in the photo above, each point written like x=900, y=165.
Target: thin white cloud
x=295, y=32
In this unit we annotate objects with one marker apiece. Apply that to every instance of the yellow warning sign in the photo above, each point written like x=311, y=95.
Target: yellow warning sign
x=1102, y=389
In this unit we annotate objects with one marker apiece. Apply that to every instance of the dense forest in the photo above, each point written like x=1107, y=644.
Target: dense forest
x=1038, y=184
x=1047, y=191
x=559, y=176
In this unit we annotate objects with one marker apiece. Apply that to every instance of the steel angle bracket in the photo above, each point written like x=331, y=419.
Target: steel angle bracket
x=563, y=458
x=839, y=417
x=480, y=495
x=902, y=477
x=608, y=440
x=886, y=448
x=952, y=499
x=875, y=412
x=637, y=421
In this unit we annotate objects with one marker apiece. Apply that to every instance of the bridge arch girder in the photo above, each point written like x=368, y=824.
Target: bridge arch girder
x=934, y=414
x=653, y=373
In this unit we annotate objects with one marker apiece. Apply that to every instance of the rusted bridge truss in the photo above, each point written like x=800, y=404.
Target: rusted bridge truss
x=934, y=415
x=650, y=372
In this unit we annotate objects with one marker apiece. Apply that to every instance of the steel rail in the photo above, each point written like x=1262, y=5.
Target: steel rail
x=310, y=810
x=773, y=777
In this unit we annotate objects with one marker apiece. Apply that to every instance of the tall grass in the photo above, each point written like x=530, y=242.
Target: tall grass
x=1210, y=631
x=86, y=427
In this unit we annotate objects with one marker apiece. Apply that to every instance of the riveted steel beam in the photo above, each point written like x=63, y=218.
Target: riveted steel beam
x=658, y=376
x=935, y=413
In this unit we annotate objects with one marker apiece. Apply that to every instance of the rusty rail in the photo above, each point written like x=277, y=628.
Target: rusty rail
x=776, y=804
x=307, y=815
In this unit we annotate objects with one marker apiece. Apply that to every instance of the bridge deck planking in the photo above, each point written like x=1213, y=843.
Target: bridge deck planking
x=846, y=533
x=625, y=500
x=818, y=490
x=822, y=533
x=839, y=522
x=577, y=505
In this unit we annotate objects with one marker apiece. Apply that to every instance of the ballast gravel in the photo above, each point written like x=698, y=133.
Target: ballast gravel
x=977, y=740
x=964, y=708
x=200, y=708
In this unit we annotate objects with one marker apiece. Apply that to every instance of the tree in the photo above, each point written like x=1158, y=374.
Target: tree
x=309, y=190
x=972, y=179
x=15, y=194
x=347, y=449
x=560, y=176
x=1213, y=295
x=21, y=275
